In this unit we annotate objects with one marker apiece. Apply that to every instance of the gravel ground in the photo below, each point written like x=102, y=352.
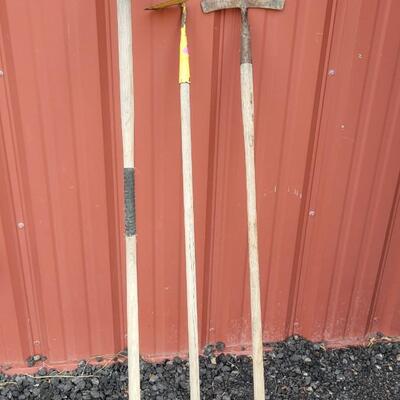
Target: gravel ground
x=295, y=369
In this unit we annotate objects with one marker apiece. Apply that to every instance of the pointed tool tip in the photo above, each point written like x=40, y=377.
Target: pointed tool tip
x=165, y=4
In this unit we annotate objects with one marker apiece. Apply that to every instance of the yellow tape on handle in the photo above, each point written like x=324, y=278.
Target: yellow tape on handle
x=184, y=69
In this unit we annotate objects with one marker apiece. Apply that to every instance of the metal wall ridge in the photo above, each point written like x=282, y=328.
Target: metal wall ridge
x=327, y=106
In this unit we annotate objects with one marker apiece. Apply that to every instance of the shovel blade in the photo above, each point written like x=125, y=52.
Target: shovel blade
x=215, y=5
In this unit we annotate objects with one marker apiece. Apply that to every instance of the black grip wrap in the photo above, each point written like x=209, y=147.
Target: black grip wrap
x=130, y=210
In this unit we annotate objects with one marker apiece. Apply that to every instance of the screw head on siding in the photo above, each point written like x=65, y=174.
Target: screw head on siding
x=360, y=56
x=331, y=72
x=1, y=72
x=312, y=213
x=21, y=225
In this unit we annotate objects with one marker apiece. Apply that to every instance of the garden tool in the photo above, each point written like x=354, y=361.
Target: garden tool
x=247, y=93
x=190, y=254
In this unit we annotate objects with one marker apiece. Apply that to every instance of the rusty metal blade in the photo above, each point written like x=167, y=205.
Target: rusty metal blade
x=215, y=5
x=166, y=4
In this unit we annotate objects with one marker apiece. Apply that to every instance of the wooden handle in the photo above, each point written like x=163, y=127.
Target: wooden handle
x=124, y=15
x=190, y=253
x=246, y=74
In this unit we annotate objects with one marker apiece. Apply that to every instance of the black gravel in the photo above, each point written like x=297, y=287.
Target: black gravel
x=295, y=369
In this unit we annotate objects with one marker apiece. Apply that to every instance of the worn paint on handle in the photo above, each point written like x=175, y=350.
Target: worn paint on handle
x=184, y=69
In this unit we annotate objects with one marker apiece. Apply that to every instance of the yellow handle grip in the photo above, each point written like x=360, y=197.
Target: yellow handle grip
x=184, y=68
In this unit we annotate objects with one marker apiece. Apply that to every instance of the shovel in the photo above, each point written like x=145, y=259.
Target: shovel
x=247, y=91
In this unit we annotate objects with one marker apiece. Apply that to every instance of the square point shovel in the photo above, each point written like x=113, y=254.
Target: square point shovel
x=247, y=93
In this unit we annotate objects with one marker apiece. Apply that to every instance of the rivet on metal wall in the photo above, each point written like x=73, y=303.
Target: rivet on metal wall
x=360, y=56
x=21, y=225
x=1, y=72
x=312, y=213
x=332, y=72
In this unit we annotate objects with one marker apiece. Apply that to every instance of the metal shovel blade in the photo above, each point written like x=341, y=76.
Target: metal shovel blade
x=215, y=5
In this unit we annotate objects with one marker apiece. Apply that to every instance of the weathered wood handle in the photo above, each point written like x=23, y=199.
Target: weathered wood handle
x=190, y=253
x=246, y=74
x=125, y=57
x=190, y=248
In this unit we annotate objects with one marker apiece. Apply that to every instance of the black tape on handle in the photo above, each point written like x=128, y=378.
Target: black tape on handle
x=130, y=210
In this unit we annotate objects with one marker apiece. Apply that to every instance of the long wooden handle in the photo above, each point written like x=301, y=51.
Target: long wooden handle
x=124, y=15
x=246, y=73
x=190, y=253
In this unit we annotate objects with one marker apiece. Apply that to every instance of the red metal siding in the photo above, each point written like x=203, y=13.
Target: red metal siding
x=327, y=175
x=54, y=146
x=355, y=174
x=386, y=311
x=286, y=78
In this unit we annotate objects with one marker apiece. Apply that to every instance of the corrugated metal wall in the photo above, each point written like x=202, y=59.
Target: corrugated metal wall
x=327, y=79
x=60, y=257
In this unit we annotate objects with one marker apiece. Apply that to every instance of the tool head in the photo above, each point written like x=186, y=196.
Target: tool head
x=215, y=5
x=166, y=4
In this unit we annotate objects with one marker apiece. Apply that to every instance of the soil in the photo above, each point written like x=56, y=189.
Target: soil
x=295, y=369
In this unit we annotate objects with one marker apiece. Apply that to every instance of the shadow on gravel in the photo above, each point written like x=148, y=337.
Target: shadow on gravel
x=295, y=369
